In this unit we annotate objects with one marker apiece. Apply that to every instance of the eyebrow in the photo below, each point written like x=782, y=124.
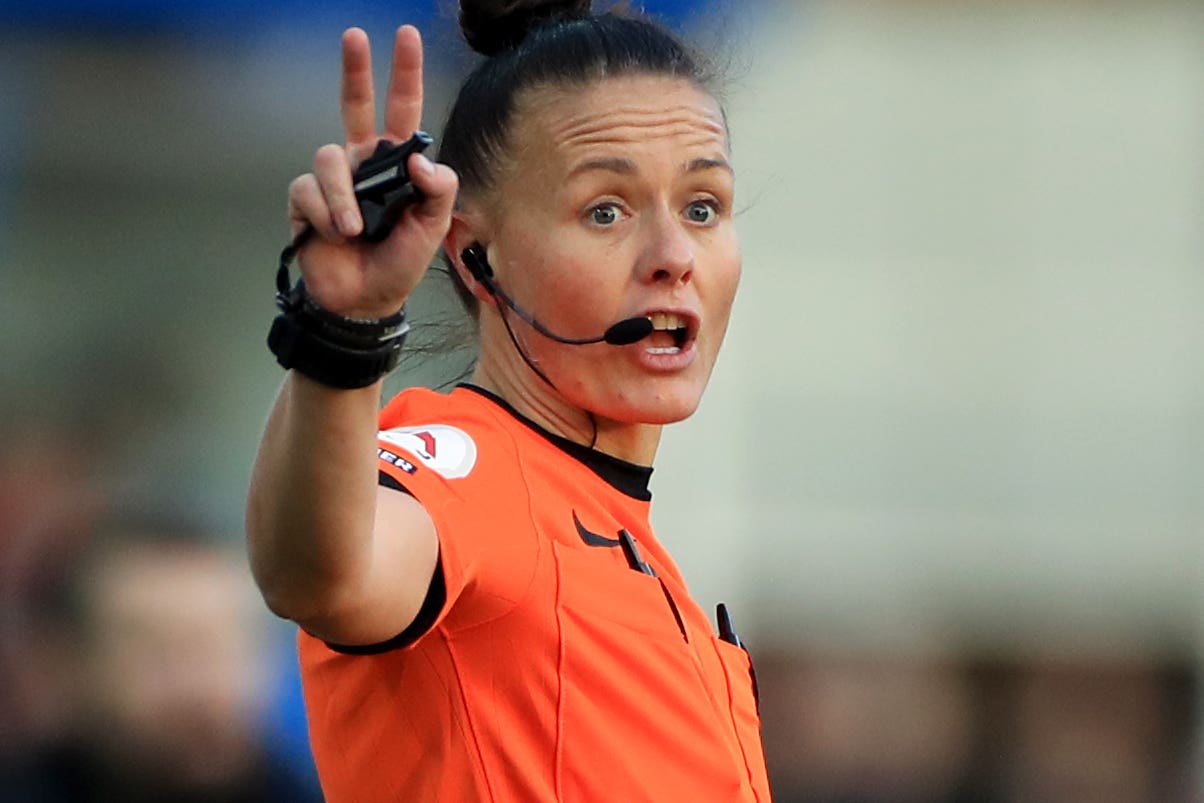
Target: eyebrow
x=612, y=164
x=708, y=164
x=626, y=167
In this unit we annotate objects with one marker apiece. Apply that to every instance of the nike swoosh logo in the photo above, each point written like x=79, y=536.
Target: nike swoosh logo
x=592, y=539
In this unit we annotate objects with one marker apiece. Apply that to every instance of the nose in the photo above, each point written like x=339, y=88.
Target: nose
x=668, y=253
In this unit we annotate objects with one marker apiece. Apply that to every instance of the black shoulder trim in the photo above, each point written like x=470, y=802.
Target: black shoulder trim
x=627, y=478
x=436, y=595
x=389, y=481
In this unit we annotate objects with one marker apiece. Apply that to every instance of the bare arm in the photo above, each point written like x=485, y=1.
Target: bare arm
x=347, y=560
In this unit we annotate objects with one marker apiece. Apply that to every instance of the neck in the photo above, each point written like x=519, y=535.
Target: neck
x=503, y=373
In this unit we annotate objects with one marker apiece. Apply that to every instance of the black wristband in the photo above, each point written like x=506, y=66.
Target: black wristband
x=337, y=351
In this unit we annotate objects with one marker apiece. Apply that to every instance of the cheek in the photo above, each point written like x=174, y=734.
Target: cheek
x=734, y=272
x=532, y=254
x=726, y=272
x=559, y=280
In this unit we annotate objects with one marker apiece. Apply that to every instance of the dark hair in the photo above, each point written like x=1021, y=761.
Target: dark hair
x=534, y=43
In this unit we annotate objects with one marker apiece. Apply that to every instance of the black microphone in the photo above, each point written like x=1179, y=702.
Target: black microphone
x=628, y=331
x=623, y=333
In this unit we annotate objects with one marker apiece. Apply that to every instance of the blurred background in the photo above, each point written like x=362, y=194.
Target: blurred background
x=948, y=474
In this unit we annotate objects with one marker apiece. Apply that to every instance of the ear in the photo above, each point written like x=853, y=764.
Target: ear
x=462, y=234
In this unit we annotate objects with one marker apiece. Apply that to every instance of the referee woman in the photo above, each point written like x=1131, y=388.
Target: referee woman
x=485, y=612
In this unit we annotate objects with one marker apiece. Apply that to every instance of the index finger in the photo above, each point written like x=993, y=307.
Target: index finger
x=403, y=103
x=358, y=103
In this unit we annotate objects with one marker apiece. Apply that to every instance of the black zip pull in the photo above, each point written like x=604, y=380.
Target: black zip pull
x=726, y=631
x=633, y=555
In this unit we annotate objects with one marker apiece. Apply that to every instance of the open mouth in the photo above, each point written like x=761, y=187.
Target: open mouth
x=670, y=333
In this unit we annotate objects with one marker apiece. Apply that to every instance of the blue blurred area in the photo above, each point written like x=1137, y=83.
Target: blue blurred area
x=285, y=715
x=216, y=17
x=244, y=17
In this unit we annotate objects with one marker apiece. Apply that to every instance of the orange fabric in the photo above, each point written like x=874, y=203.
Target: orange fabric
x=554, y=672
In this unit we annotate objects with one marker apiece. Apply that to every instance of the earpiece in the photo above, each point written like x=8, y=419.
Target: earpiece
x=478, y=265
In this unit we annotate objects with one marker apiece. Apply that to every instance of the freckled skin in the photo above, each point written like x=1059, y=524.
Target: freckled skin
x=616, y=200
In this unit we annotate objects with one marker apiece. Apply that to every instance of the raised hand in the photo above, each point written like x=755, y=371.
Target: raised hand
x=343, y=274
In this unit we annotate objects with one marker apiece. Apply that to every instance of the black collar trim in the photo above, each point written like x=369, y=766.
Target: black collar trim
x=628, y=478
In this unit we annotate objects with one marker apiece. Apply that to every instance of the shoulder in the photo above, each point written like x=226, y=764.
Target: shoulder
x=463, y=459
x=461, y=441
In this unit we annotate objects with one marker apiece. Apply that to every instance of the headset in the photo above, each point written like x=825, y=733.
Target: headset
x=623, y=333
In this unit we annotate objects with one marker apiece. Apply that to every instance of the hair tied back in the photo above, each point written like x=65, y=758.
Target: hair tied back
x=494, y=26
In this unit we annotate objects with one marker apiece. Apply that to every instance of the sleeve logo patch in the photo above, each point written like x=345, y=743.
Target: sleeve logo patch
x=395, y=460
x=445, y=450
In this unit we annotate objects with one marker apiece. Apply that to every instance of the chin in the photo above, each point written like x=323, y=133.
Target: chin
x=657, y=406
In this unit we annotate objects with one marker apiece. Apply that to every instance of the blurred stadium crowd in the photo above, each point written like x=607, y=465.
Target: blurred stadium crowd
x=144, y=152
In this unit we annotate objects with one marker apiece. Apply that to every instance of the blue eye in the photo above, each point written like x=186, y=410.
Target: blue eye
x=604, y=214
x=703, y=212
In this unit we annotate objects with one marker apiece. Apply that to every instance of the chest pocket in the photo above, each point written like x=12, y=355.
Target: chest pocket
x=595, y=583
x=743, y=699
x=632, y=700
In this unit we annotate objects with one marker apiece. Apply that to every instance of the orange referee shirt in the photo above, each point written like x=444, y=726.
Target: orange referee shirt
x=552, y=661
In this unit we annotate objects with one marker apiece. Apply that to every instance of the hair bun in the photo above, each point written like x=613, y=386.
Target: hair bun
x=493, y=26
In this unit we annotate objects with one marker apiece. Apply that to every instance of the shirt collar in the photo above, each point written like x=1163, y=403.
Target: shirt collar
x=628, y=478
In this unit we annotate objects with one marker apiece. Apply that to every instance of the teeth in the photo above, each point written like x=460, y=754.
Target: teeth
x=664, y=350
x=667, y=321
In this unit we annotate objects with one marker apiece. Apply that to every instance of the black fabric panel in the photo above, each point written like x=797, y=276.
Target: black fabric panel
x=389, y=481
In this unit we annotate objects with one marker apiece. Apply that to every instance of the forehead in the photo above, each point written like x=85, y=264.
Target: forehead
x=632, y=111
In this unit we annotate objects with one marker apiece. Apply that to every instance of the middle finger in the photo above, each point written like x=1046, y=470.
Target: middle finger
x=358, y=104
x=403, y=104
